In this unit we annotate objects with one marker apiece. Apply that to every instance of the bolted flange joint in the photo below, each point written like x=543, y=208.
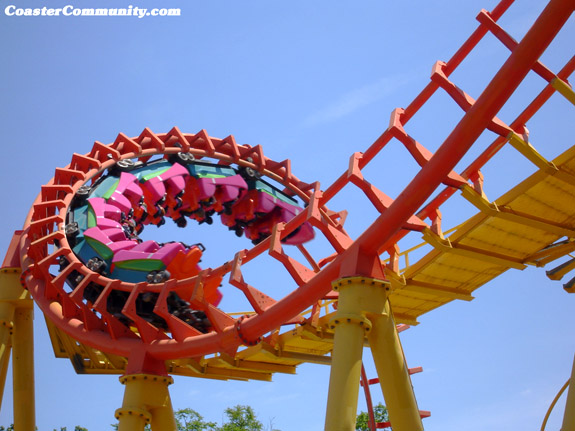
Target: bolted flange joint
x=346, y=281
x=245, y=340
x=167, y=380
x=356, y=319
x=143, y=414
x=23, y=276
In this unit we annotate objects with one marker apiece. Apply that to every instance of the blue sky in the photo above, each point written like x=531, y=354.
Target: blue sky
x=313, y=82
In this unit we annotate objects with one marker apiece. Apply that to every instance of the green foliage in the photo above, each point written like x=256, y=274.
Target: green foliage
x=10, y=428
x=186, y=420
x=380, y=414
x=76, y=428
x=241, y=418
x=191, y=420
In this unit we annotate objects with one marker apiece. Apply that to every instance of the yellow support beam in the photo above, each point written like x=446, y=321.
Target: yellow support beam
x=531, y=154
x=146, y=401
x=305, y=357
x=564, y=88
x=237, y=374
x=23, y=369
x=259, y=366
x=17, y=335
x=551, y=253
x=569, y=415
x=349, y=326
x=493, y=210
x=446, y=246
x=291, y=357
x=363, y=308
x=393, y=372
x=399, y=281
x=6, y=319
x=434, y=289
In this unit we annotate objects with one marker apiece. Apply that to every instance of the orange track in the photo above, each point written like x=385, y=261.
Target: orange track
x=312, y=276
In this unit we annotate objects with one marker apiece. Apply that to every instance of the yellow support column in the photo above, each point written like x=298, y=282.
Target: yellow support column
x=23, y=369
x=363, y=308
x=393, y=372
x=350, y=326
x=6, y=319
x=17, y=318
x=569, y=415
x=146, y=401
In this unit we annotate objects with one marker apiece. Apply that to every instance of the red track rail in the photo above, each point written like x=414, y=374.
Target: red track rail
x=379, y=236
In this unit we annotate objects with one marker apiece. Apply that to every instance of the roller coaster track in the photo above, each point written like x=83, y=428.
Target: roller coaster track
x=531, y=224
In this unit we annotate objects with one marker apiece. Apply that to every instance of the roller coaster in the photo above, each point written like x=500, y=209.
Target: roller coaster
x=147, y=310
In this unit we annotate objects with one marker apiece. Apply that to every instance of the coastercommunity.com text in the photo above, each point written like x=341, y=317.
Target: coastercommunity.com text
x=71, y=11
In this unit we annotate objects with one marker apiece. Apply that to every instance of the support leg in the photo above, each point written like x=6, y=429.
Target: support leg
x=350, y=326
x=146, y=400
x=569, y=415
x=6, y=319
x=393, y=372
x=344, y=378
x=23, y=370
x=4, y=361
x=363, y=308
x=16, y=321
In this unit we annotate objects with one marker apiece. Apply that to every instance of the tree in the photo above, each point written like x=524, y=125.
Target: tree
x=380, y=414
x=186, y=420
x=76, y=428
x=191, y=420
x=241, y=418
